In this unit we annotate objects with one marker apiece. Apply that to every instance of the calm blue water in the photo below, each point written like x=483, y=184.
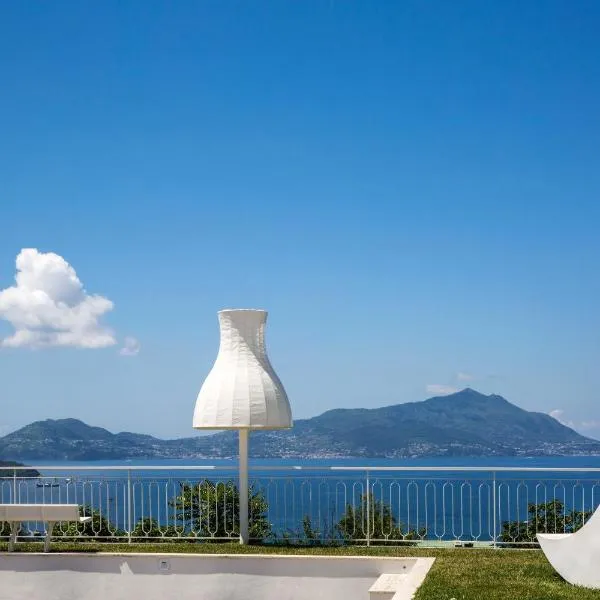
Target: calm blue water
x=510, y=461
x=446, y=504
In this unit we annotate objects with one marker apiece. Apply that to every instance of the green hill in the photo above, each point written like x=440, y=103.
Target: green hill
x=466, y=423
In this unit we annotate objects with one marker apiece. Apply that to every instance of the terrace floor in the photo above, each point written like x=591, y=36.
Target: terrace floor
x=460, y=574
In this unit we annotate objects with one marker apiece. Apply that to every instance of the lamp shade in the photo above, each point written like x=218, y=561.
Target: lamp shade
x=242, y=391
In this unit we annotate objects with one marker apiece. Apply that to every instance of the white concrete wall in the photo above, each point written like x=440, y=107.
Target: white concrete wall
x=198, y=577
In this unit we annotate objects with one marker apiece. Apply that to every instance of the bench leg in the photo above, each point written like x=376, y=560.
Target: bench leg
x=14, y=527
x=49, y=528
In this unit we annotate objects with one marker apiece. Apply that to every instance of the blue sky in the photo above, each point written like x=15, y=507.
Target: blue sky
x=410, y=188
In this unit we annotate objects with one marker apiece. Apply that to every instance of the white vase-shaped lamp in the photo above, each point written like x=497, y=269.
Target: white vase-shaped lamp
x=242, y=391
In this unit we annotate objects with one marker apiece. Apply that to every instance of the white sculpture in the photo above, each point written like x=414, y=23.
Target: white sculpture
x=242, y=391
x=575, y=556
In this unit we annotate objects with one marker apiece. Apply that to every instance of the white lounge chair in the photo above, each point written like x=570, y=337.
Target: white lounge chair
x=15, y=514
x=575, y=556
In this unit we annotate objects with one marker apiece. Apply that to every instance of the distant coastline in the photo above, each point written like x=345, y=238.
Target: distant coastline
x=7, y=469
x=466, y=424
x=268, y=466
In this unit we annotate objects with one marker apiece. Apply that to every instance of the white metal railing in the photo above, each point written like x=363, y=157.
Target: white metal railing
x=311, y=504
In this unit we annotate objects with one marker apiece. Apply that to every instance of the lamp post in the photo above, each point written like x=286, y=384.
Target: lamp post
x=242, y=391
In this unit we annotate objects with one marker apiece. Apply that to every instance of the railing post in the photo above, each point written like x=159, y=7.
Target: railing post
x=129, y=506
x=243, y=487
x=14, y=485
x=494, y=510
x=368, y=510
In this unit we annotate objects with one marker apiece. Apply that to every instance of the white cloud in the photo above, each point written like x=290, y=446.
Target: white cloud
x=581, y=426
x=559, y=415
x=440, y=390
x=461, y=376
x=48, y=306
x=131, y=347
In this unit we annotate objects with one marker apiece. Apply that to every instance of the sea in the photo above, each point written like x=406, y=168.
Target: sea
x=434, y=496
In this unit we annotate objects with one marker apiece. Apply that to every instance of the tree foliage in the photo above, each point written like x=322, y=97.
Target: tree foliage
x=307, y=535
x=99, y=526
x=149, y=529
x=4, y=529
x=546, y=517
x=381, y=525
x=212, y=509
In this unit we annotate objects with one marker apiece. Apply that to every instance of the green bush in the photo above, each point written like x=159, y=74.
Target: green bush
x=4, y=529
x=150, y=530
x=212, y=510
x=546, y=517
x=382, y=525
x=307, y=535
x=99, y=526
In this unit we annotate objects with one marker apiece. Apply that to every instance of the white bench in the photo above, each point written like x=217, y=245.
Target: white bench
x=50, y=514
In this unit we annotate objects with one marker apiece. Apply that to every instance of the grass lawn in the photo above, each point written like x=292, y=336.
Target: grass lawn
x=462, y=574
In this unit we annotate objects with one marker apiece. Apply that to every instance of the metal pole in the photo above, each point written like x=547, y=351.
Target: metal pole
x=14, y=486
x=129, y=506
x=494, y=507
x=243, y=486
x=368, y=511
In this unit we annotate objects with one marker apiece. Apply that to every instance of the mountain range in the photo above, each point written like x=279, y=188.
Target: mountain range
x=466, y=423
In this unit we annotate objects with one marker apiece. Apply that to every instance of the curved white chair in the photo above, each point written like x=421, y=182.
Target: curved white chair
x=575, y=556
